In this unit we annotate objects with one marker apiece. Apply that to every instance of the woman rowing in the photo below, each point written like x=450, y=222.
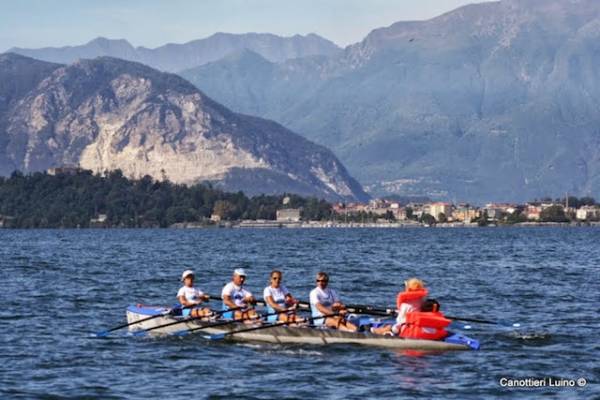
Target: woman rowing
x=279, y=300
x=325, y=301
x=411, y=300
x=190, y=297
x=235, y=296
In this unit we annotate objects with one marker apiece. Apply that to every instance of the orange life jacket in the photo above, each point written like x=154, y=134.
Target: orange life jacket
x=406, y=297
x=425, y=325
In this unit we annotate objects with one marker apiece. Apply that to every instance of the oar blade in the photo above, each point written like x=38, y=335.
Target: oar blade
x=102, y=334
x=216, y=336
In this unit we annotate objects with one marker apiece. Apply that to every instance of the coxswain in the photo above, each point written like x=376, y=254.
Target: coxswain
x=235, y=296
x=325, y=301
x=279, y=300
x=190, y=297
x=410, y=300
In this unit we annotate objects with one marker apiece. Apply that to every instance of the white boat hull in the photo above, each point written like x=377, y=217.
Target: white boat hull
x=286, y=334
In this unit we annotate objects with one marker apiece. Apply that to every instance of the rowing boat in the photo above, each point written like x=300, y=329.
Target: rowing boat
x=291, y=334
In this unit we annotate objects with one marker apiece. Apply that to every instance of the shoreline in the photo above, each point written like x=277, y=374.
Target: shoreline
x=318, y=225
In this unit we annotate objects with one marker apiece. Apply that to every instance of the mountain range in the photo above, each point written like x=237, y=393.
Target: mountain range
x=491, y=101
x=108, y=113
x=175, y=57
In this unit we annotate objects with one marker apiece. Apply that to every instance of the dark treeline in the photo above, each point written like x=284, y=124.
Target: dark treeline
x=40, y=200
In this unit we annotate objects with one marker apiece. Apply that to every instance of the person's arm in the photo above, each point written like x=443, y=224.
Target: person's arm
x=401, y=319
x=291, y=301
x=227, y=300
x=184, y=302
x=269, y=300
x=324, y=310
x=249, y=298
x=202, y=298
x=337, y=305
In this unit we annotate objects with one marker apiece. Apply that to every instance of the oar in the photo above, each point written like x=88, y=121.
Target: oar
x=263, y=303
x=108, y=331
x=221, y=336
x=483, y=321
x=370, y=310
x=258, y=302
x=366, y=309
x=181, y=321
x=222, y=323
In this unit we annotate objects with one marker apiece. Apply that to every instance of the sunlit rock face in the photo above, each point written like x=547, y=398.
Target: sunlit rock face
x=107, y=114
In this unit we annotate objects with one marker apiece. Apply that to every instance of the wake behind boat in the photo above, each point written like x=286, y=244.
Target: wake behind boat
x=150, y=317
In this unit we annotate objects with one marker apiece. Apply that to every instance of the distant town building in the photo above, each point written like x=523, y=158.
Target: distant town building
x=215, y=217
x=586, y=213
x=353, y=208
x=533, y=211
x=100, y=220
x=380, y=211
x=288, y=215
x=465, y=214
x=435, y=209
x=399, y=213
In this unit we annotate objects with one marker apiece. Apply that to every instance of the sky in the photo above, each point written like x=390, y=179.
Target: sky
x=151, y=23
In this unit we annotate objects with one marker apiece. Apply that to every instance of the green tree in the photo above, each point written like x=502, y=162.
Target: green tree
x=389, y=215
x=428, y=219
x=553, y=213
x=516, y=218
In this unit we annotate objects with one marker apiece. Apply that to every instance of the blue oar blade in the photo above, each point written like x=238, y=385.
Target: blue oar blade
x=102, y=334
x=183, y=332
x=216, y=336
x=139, y=333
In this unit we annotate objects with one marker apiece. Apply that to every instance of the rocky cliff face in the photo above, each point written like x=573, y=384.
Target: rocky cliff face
x=106, y=113
x=495, y=101
x=176, y=57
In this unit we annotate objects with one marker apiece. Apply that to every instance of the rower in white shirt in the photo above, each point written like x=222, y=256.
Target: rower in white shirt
x=234, y=295
x=190, y=297
x=325, y=301
x=279, y=299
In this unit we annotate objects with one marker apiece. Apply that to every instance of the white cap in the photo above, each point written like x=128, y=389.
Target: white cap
x=239, y=272
x=186, y=273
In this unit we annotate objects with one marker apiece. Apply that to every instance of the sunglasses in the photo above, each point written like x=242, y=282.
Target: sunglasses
x=276, y=278
x=322, y=280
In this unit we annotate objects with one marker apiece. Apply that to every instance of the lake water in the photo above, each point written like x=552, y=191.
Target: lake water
x=60, y=286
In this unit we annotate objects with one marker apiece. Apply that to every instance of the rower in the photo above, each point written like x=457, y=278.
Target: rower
x=325, y=301
x=234, y=295
x=411, y=300
x=279, y=299
x=191, y=297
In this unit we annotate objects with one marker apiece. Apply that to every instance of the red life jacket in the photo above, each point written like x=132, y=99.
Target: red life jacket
x=407, y=297
x=425, y=325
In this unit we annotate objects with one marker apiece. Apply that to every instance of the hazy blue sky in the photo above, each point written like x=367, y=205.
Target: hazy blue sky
x=150, y=23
